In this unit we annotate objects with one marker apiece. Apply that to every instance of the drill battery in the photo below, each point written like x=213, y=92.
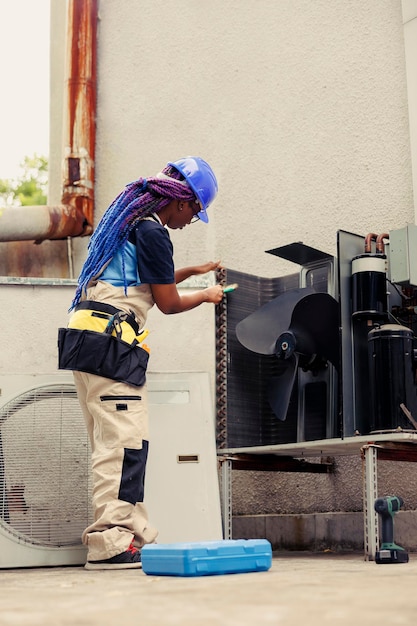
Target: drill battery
x=391, y=555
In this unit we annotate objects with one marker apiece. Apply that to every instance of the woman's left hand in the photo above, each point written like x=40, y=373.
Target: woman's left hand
x=186, y=272
x=210, y=266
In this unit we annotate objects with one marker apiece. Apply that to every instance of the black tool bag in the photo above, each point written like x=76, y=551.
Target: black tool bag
x=103, y=355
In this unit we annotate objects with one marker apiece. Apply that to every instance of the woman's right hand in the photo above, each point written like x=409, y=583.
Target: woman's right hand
x=214, y=294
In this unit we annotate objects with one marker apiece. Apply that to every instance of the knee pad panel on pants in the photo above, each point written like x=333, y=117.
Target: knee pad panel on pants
x=133, y=474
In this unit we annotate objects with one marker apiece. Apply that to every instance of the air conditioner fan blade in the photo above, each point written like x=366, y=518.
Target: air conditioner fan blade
x=316, y=319
x=259, y=331
x=280, y=388
x=311, y=339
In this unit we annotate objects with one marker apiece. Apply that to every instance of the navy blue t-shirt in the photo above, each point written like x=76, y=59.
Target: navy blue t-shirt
x=147, y=257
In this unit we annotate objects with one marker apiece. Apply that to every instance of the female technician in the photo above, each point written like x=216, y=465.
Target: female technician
x=129, y=268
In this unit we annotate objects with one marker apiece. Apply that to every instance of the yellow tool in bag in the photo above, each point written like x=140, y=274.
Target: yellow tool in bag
x=104, y=318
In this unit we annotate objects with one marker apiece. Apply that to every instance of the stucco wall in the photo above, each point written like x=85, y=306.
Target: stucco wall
x=300, y=106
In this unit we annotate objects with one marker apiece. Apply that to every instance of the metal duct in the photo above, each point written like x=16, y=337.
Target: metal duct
x=74, y=217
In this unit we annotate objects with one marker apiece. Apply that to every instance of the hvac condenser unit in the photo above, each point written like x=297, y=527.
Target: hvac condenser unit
x=328, y=352
x=45, y=480
x=44, y=472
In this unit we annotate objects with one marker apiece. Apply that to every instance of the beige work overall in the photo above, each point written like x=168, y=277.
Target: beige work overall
x=116, y=416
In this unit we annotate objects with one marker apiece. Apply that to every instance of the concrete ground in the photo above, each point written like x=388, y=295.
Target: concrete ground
x=307, y=588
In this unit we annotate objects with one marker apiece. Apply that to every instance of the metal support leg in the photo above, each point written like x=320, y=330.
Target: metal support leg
x=226, y=495
x=369, y=496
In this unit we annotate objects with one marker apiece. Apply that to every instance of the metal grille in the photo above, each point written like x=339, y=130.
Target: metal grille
x=45, y=480
x=221, y=366
x=244, y=417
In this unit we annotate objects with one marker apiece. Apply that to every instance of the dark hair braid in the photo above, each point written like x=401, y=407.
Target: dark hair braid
x=139, y=199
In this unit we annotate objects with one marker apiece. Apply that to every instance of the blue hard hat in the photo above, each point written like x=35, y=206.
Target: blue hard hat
x=200, y=177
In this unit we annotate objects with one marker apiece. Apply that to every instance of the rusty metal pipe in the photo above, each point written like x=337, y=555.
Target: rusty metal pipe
x=78, y=183
x=28, y=223
x=74, y=217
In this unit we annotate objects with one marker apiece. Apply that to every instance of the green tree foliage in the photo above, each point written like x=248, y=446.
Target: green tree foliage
x=30, y=186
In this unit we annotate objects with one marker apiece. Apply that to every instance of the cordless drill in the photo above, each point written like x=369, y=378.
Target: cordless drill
x=389, y=552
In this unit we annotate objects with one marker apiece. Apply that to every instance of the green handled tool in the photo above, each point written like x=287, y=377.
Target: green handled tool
x=389, y=552
x=230, y=288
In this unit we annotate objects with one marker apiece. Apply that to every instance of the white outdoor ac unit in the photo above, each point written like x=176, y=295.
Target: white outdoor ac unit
x=45, y=480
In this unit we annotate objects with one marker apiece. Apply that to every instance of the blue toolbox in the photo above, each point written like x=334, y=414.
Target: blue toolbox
x=206, y=558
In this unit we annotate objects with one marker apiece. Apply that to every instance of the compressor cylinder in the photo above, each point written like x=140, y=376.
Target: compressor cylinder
x=369, y=293
x=391, y=377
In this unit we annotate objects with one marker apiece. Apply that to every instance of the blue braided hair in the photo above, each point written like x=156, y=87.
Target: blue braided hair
x=139, y=199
